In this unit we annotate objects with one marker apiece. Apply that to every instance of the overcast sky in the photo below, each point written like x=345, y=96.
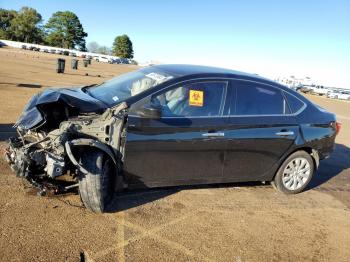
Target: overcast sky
x=270, y=38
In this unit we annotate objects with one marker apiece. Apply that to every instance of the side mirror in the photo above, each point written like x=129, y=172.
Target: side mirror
x=150, y=111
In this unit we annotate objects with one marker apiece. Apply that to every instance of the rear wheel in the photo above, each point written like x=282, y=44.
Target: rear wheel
x=97, y=187
x=295, y=173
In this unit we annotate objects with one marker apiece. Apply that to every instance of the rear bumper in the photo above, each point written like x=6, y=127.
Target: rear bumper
x=326, y=152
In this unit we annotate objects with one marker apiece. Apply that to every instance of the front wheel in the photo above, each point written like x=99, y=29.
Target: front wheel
x=97, y=187
x=295, y=173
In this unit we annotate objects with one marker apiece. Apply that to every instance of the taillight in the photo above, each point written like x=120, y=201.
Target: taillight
x=337, y=127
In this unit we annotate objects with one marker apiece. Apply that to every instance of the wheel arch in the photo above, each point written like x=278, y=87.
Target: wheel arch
x=311, y=151
x=92, y=144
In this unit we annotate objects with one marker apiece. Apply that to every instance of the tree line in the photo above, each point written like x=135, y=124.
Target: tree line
x=63, y=29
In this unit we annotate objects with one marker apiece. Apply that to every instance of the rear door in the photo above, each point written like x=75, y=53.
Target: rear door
x=261, y=129
x=186, y=145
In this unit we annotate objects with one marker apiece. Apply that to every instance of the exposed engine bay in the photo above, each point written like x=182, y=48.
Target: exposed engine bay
x=53, y=131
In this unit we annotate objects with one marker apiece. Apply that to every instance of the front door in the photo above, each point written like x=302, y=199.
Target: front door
x=186, y=145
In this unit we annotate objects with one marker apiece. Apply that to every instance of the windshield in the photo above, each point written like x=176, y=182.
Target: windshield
x=125, y=86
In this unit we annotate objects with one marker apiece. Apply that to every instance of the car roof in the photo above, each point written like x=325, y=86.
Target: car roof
x=185, y=70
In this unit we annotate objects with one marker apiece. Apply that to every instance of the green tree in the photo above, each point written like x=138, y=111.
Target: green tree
x=25, y=26
x=6, y=16
x=65, y=30
x=122, y=47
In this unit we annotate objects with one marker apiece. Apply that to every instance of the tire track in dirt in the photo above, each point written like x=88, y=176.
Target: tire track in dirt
x=152, y=233
x=120, y=219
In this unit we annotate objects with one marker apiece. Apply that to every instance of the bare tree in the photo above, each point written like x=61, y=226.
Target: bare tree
x=93, y=47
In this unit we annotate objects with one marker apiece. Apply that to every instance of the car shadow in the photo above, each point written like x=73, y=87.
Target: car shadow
x=134, y=198
x=86, y=74
x=28, y=85
x=331, y=167
x=129, y=199
x=6, y=131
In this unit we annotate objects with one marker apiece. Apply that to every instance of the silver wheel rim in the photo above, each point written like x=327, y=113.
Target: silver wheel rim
x=296, y=173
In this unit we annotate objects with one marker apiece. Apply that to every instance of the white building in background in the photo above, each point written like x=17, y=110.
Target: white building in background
x=293, y=81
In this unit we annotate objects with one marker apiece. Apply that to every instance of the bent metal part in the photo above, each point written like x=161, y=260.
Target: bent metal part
x=35, y=152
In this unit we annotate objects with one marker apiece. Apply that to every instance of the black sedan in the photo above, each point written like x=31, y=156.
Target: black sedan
x=170, y=125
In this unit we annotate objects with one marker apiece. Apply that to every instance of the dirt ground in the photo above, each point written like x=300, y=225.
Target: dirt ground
x=236, y=222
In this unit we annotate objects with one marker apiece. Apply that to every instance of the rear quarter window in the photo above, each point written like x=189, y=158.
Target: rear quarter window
x=295, y=104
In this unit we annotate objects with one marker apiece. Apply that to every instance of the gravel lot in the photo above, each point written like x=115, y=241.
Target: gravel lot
x=236, y=222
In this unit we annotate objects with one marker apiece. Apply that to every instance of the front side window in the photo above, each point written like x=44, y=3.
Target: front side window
x=257, y=99
x=201, y=99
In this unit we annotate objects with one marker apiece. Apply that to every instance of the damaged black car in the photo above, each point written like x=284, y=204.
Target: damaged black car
x=169, y=125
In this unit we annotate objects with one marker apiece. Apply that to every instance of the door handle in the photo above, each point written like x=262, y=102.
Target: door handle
x=285, y=133
x=219, y=134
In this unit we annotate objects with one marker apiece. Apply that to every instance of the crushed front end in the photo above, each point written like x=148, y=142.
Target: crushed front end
x=51, y=136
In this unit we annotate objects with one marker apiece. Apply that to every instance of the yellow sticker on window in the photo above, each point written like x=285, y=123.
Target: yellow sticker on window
x=196, y=98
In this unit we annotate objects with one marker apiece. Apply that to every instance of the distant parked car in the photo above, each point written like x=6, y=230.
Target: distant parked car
x=124, y=61
x=295, y=87
x=72, y=54
x=104, y=59
x=65, y=53
x=53, y=51
x=333, y=94
x=59, y=52
x=320, y=90
x=116, y=61
x=305, y=89
x=338, y=94
x=344, y=95
x=24, y=47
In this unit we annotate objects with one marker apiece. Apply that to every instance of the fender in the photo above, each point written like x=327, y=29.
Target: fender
x=316, y=157
x=87, y=142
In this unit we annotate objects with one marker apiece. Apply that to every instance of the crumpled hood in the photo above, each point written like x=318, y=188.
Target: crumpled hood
x=72, y=97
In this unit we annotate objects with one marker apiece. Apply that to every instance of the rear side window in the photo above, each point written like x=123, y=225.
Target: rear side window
x=257, y=99
x=294, y=103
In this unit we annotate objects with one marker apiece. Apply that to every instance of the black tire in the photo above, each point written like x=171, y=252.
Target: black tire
x=97, y=187
x=278, y=184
